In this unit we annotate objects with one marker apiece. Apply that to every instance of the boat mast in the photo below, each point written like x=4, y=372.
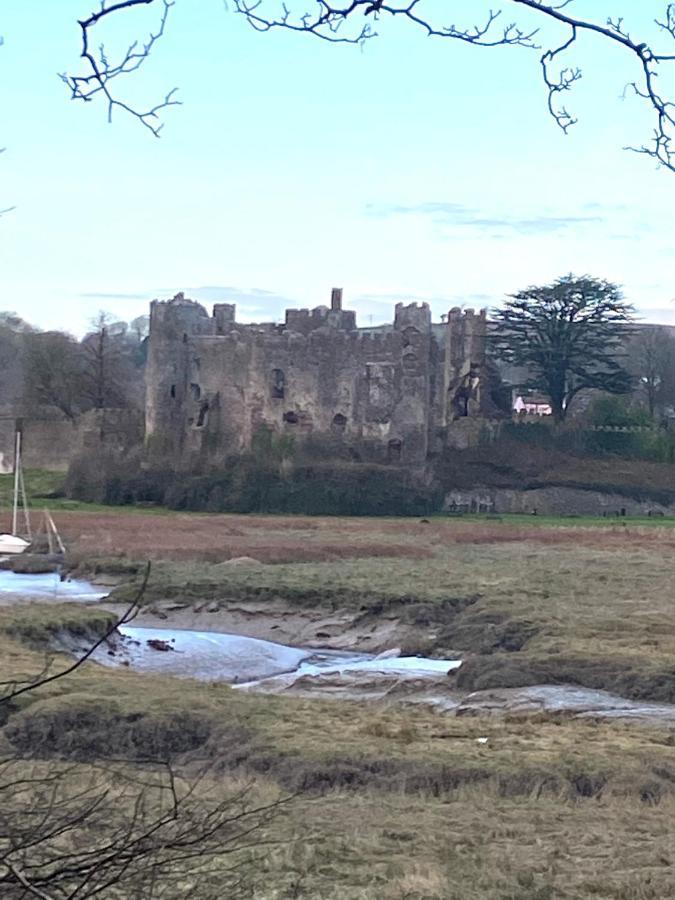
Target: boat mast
x=17, y=464
x=19, y=486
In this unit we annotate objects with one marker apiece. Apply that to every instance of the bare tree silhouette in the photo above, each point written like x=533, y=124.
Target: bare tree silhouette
x=116, y=828
x=356, y=21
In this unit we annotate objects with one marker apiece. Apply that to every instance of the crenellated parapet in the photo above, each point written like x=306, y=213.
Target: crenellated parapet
x=412, y=315
x=389, y=391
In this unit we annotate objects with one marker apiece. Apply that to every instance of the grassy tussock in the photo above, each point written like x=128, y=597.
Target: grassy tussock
x=394, y=803
x=318, y=746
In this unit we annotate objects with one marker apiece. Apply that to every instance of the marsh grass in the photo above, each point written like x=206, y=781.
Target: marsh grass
x=586, y=607
x=393, y=802
x=316, y=745
x=403, y=803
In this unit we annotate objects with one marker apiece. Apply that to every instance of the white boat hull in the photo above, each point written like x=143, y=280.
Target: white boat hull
x=10, y=543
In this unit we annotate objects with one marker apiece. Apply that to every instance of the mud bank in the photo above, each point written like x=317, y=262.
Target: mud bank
x=285, y=623
x=261, y=666
x=275, y=647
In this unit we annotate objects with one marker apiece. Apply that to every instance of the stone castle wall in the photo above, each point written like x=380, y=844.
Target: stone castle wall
x=391, y=393
x=51, y=442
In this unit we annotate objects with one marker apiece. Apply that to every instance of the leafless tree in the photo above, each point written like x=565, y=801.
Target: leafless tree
x=107, y=830
x=112, y=830
x=102, y=371
x=652, y=353
x=108, y=370
x=356, y=22
x=52, y=365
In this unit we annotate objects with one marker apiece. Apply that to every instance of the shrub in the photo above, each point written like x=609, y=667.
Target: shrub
x=247, y=485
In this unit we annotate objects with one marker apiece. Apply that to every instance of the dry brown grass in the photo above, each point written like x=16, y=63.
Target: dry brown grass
x=395, y=803
x=279, y=539
x=217, y=538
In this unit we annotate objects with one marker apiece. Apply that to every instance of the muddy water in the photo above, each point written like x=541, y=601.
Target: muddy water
x=249, y=661
x=261, y=665
x=45, y=588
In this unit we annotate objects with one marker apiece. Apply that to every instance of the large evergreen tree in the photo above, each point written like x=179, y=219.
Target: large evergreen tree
x=567, y=336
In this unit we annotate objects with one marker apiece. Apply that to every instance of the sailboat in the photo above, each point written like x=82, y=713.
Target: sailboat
x=14, y=543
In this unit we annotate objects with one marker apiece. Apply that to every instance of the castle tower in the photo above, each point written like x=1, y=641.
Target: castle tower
x=464, y=371
x=173, y=324
x=411, y=421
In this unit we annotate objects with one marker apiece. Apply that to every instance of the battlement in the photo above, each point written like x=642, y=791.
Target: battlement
x=456, y=314
x=390, y=391
x=190, y=317
x=412, y=315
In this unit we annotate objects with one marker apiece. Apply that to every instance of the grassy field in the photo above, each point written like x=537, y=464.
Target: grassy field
x=391, y=802
x=522, y=604
x=399, y=802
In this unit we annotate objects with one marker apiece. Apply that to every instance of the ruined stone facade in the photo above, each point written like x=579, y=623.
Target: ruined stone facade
x=395, y=393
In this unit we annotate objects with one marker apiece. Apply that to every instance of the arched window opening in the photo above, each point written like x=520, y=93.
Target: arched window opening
x=394, y=450
x=339, y=423
x=278, y=385
x=195, y=391
x=290, y=418
x=173, y=391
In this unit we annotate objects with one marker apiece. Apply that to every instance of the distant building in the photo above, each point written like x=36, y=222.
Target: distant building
x=529, y=405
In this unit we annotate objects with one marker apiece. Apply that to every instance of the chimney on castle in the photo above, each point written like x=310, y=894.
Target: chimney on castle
x=336, y=299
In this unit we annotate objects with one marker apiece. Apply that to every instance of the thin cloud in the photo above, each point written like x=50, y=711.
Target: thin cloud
x=459, y=216
x=97, y=295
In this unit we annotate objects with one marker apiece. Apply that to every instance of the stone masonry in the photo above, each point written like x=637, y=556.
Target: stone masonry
x=396, y=393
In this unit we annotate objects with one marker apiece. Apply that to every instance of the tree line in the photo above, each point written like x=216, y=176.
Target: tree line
x=102, y=370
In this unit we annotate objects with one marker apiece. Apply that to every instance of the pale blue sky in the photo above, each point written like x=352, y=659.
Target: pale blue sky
x=411, y=169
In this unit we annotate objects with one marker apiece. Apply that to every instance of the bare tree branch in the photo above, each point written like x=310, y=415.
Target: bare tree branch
x=42, y=679
x=101, y=71
x=97, y=830
x=339, y=24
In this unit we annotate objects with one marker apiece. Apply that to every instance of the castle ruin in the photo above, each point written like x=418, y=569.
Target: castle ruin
x=396, y=393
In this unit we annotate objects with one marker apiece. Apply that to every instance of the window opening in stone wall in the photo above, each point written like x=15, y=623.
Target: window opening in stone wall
x=203, y=414
x=173, y=391
x=291, y=418
x=410, y=335
x=339, y=423
x=409, y=361
x=394, y=448
x=278, y=386
x=195, y=391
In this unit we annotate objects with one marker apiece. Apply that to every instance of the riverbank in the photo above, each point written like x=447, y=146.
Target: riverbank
x=391, y=803
x=587, y=607
x=400, y=799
